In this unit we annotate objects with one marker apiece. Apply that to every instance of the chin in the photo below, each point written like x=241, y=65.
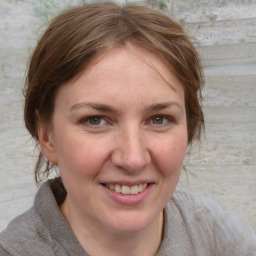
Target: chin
x=130, y=222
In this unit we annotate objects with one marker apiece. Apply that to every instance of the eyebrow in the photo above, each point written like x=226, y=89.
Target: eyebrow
x=107, y=108
x=164, y=105
x=96, y=106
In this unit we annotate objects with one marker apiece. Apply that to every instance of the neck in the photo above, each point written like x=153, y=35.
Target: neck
x=90, y=235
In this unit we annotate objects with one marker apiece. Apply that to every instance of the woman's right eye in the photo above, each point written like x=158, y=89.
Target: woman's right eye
x=93, y=121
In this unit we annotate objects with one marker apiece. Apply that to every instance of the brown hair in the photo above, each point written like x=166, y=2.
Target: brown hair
x=77, y=36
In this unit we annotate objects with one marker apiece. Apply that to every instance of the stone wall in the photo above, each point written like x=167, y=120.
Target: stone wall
x=223, y=167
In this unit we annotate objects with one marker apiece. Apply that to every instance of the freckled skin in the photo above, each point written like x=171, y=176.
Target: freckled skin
x=126, y=146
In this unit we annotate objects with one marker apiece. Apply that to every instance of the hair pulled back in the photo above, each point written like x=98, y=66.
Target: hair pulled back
x=76, y=37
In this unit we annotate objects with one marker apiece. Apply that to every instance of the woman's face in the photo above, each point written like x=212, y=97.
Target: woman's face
x=119, y=136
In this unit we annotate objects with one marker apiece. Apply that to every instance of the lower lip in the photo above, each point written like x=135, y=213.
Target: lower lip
x=128, y=199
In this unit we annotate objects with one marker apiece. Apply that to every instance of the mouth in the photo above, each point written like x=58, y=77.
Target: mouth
x=127, y=190
x=128, y=194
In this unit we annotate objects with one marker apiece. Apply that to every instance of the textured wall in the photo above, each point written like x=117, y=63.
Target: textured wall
x=223, y=167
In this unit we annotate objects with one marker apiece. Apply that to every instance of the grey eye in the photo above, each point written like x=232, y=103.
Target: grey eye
x=95, y=120
x=158, y=120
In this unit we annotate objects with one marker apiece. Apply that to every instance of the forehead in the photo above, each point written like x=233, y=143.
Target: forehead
x=129, y=55
x=123, y=72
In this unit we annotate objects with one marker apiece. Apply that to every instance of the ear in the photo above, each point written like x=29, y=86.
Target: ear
x=46, y=140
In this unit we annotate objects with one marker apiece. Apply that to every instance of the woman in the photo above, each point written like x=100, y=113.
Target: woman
x=113, y=99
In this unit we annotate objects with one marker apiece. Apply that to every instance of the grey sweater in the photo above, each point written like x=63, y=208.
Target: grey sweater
x=193, y=226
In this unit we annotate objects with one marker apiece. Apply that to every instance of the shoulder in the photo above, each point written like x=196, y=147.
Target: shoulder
x=3, y=252
x=27, y=234
x=42, y=230
x=205, y=218
x=21, y=236
x=194, y=204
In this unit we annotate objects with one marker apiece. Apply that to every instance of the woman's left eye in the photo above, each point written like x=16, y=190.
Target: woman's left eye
x=160, y=120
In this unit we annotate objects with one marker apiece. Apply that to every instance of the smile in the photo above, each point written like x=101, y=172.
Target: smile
x=127, y=190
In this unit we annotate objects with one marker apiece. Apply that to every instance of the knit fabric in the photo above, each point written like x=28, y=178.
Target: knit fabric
x=193, y=226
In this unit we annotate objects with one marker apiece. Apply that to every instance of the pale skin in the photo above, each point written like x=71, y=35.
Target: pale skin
x=118, y=123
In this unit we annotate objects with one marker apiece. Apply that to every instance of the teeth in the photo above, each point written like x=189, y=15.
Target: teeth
x=134, y=190
x=126, y=190
x=118, y=188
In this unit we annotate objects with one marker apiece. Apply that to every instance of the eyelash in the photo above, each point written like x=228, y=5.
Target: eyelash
x=167, y=120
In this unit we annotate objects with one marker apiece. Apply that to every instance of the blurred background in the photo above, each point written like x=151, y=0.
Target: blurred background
x=222, y=167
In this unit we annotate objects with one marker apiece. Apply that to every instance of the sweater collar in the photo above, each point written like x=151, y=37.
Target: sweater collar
x=51, y=194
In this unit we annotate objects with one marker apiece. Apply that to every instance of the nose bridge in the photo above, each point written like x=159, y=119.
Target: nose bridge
x=132, y=153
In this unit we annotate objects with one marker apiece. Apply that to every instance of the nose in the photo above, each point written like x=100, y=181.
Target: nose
x=130, y=152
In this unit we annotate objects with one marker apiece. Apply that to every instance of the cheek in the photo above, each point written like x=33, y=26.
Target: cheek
x=79, y=155
x=170, y=154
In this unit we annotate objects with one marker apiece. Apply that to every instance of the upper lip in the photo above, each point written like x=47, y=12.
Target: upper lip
x=127, y=183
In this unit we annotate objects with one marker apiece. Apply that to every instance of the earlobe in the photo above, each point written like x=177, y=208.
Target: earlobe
x=46, y=141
